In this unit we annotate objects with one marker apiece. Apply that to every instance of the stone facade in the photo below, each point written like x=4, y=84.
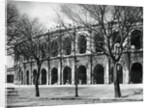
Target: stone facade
x=93, y=68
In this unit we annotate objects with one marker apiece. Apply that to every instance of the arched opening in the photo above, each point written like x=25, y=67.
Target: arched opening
x=82, y=79
x=34, y=76
x=67, y=46
x=98, y=43
x=43, y=77
x=54, y=48
x=98, y=74
x=27, y=77
x=120, y=72
x=67, y=75
x=136, y=39
x=82, y=44
x=54, y=75
x=136, y=73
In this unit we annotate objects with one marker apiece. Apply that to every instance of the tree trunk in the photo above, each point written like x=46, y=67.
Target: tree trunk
x=37, y=92
x=76, y=82
x=116, y=81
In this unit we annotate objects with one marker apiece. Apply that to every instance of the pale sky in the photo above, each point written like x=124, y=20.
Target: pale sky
x=45, y=11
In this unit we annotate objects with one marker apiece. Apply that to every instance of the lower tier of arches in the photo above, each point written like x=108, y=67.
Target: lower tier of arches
x=67, y=76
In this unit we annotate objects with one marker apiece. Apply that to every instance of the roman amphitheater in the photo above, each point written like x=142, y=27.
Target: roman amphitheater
x=82, y=50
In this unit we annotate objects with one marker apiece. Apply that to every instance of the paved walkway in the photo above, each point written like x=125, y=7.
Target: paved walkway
x=60, y=95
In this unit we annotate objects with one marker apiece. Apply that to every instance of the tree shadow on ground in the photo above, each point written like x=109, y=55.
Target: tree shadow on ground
x=133, y=94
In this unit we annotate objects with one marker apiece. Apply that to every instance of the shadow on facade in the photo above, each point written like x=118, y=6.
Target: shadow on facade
x=67, y=75
x=136, y=73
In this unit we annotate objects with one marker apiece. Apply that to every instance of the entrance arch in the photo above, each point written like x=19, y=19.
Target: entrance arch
x=43, y=77
x=98, y=74
x=67, y=75
x=54, y=75
x=136, y=73
x=82, y=78
x=27, y=77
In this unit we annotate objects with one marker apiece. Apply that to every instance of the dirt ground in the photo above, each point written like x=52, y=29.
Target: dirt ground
x=64, y=95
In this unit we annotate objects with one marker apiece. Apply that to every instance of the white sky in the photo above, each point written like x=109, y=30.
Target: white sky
x=45, y=11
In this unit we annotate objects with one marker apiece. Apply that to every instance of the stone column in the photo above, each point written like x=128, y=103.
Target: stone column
x=126, y=72
x=61, y=73
x=106, y=72
x=59, y=69
x=88, y=50
x=88, y=71
x=76, y=44
x=91, y=56
x=48, y=73
x=72, y=46
x=125, y=75
x=24, y=74
x=31, y=75
x=73, y=73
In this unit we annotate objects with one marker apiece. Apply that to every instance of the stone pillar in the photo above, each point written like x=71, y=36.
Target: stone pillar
x=72, y=46
x=125, y=73
x=25, y=77
x=16, y=73
x=124, y=60
x=47, y=79
x=91, y=56
x=59, y=69
x=88, y=71
x=73, y=73
x=62, y=72
x=74, y=53
x=88, y=50
x=30, y=72
x=23, y=74
x=31, y=75
x=106, y=72
x=48, y=73
x=76, y=44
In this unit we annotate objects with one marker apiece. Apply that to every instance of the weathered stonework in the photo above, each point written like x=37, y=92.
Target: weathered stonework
x=64, y=63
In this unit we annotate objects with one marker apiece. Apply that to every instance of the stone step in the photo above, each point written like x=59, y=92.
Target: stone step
x=11, y=91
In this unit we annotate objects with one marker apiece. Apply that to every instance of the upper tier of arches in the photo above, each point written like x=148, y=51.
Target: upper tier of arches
x=83, y=43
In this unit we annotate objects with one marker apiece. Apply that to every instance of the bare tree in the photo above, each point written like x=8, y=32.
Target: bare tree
x=28, y=45
x=113, y=24
x=12, y=21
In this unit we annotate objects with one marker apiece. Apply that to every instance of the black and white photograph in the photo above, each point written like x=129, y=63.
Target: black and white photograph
x=73, y=53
